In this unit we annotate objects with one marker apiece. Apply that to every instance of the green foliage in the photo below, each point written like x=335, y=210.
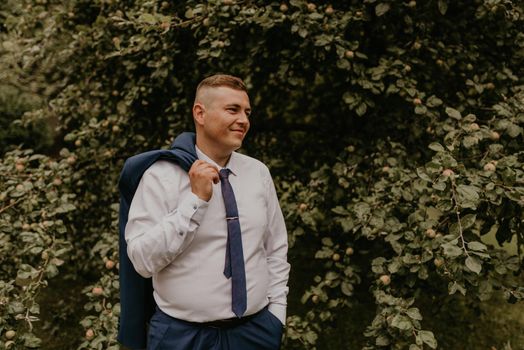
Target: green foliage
x=36, y=208
x=19, y=93
x=394, y=131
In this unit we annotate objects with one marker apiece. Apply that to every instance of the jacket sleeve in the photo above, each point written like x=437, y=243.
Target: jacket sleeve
x=155, y=233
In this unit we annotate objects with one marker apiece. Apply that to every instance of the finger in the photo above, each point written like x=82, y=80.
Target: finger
x=211, y=173
x=201, y=164
x=198, y=166
x=216, y=179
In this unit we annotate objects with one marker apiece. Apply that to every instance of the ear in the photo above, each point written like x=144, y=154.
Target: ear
x=198, y=113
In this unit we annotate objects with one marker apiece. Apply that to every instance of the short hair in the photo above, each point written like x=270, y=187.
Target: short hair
x=218, y=80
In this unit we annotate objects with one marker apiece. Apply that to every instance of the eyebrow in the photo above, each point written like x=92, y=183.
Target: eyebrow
x=236, y=105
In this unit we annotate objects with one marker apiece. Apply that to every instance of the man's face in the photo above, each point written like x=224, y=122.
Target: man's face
x=225, y=118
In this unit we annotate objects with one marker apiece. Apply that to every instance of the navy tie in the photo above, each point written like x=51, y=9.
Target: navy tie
x=234, y=267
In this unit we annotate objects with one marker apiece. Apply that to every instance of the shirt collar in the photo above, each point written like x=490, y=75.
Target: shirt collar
x=232, y=163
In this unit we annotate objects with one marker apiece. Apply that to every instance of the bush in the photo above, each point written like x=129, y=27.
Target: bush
x=36, y=213
x=393, y=130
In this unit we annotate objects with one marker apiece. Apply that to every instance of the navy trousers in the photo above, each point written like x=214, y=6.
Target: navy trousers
x=262, y=332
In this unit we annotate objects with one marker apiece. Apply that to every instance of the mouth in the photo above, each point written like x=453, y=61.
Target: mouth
x=238, y=132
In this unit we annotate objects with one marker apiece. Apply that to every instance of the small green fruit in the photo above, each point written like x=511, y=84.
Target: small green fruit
x=385, y=279
x=489, y=167
x=447, y=172
x=10, y=334
x=431, y=233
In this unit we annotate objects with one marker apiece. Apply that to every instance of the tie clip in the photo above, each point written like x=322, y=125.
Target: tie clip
x=232, y=218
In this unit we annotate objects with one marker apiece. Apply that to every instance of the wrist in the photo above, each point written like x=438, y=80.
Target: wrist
x=203, y=196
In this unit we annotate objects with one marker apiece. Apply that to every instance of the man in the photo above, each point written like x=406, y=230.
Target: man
x=214, y=239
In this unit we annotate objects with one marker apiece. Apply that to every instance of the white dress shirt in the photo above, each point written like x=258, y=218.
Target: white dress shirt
x=180, y=241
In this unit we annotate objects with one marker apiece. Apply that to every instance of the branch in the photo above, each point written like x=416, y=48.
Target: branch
x=457, y=211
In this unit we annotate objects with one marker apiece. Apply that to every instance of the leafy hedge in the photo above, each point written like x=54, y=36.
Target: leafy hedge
x=393, y=130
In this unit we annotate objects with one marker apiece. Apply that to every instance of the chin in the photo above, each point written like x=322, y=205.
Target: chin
x=237, y=141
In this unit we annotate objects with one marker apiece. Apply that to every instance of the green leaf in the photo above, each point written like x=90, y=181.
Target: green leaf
x=513, y=130
x=470, y=141
x=467, y=221
x=453, y=113
x=332, y=275
x=394, y=266
x=147, y=18
x=340, y=210
x=453, y=287
x=414, y=314
x=401, y=322
x=323, y=40
x=382, y=340
x=422, y=174
x=381, y=9
x=437, y=147
x=440, y=185
x=433, y=101
x=31, y=341
x=451, y=250
x=327, y=241
x=428, y=338
x=421, y=110
x=468, y=196
x=477, y=246
x=433, y=213
x=346, y=288
x=361, y=210
x=324, y=253
x=189, y=14
x=361, y=109
x=473, y=264
x=443, y=6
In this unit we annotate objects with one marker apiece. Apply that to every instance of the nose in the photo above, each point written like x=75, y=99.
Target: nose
x=243, y=118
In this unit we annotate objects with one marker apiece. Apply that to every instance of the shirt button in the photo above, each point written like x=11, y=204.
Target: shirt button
x=181, y=233
x=194, y=207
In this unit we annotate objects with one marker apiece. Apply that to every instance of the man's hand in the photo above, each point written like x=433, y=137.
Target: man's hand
x=202, y=176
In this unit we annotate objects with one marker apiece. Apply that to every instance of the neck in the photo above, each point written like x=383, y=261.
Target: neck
x=210, y=151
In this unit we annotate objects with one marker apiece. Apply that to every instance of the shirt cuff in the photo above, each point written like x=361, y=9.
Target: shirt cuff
x=279, y=311
x=193, y=207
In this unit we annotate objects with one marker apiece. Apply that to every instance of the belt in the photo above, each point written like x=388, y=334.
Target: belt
x=229, y=322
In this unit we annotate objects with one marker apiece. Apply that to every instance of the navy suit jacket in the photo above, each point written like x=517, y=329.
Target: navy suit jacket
x=136, y=292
